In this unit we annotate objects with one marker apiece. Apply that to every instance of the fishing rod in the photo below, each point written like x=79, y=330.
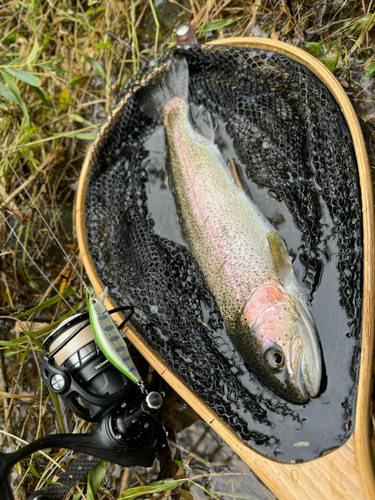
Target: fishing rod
x=111, y=343
x=10, y=227
x=88, y=364
x=49, y=227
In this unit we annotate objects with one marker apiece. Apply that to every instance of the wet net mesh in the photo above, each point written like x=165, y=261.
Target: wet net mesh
x=289, y=136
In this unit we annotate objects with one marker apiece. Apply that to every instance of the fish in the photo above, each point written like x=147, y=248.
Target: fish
x=109, y=338
x=244, y=261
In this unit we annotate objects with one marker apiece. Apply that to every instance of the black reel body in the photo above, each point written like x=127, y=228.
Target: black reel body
x=78, y=371
x=127, y=432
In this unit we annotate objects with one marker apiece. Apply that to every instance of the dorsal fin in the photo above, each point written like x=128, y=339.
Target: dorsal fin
x=283, y=267
x=235, y=174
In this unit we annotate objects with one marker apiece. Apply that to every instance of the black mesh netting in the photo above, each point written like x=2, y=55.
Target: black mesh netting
x=285, y=130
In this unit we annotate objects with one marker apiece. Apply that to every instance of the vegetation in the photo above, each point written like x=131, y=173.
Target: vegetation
x=61, y=65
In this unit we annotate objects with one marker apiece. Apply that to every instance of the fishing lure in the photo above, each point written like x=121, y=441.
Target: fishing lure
x=110, y=339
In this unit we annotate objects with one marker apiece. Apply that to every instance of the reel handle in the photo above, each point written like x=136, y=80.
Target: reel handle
x=101, y=443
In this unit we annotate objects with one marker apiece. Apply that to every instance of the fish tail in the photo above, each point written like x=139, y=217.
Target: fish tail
x=174, y=83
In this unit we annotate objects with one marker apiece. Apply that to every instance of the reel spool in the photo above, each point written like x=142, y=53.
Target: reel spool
x=77, y=370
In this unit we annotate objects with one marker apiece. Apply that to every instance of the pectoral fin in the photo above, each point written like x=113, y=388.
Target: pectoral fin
x=235, y=174
x=283, y=267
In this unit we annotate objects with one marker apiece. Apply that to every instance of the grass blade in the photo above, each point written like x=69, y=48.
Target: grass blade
x=155, y=487
x=216, y=25
x=95, y=478
x=77, y=118
x=98, y=67
x=78, y=80
x=14, y=88
x=86, y=136
x=53, y=300
x=7, y=93
x=41, y=96
x=155, y=16
x=24, y=76
x=56, y=404
x=33, y=54
x=316, y=49
x=371, y=69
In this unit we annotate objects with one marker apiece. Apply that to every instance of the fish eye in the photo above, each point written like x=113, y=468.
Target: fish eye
x=275, y=359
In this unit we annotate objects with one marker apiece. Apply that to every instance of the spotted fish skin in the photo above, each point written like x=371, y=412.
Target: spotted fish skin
x=244, y=262
x=110, y=340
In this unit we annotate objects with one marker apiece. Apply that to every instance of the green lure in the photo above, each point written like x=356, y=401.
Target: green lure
x=110, y=340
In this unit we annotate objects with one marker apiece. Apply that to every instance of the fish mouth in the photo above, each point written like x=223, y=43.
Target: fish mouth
x=303, y=386
x=307, y=377
x=296, y=369
x=310, y=379
x=307, y=380
x=306, y=357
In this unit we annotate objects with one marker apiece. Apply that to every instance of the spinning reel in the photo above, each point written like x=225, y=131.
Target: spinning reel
x=127, y=431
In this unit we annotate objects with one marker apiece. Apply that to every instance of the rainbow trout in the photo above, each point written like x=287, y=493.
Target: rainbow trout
x=245, y=263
